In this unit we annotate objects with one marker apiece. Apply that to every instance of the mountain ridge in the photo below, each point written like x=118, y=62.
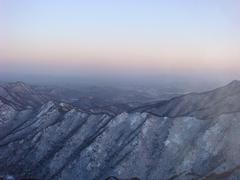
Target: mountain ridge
x=57, y=140
x=201, y=100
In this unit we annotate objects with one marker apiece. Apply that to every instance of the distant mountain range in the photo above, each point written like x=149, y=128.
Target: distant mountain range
x=49, y=133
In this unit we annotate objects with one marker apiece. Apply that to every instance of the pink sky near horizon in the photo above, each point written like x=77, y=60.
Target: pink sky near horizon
x=122, y=36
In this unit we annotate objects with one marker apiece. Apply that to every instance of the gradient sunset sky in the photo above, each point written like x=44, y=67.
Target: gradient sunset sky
x=72, y=36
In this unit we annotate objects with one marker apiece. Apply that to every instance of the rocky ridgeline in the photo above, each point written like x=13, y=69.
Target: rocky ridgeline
x=175, y=139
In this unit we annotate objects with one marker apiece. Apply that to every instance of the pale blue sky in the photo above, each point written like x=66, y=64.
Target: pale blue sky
x=142, y=35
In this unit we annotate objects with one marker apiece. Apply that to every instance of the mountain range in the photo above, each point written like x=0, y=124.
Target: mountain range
x=51, y=133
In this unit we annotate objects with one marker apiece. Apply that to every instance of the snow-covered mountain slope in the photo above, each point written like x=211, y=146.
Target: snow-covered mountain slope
x=56, y=140
x=202, y=105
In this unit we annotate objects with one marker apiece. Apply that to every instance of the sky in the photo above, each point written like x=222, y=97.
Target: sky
x=81, y=38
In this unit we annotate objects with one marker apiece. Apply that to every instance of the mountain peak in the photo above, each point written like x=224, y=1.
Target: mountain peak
x=234, y=84
x=19, y=83
x=20, y=87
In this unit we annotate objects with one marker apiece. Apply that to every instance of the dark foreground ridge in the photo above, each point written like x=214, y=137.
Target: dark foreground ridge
x=194, y=136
